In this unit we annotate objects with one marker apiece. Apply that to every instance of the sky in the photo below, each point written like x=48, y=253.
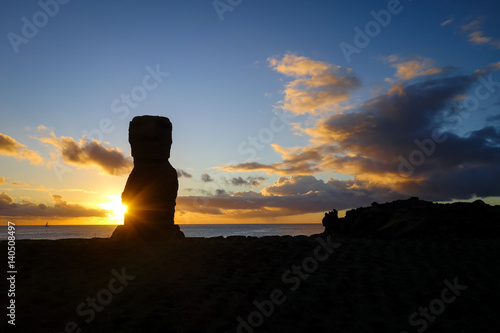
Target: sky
x=281, y=110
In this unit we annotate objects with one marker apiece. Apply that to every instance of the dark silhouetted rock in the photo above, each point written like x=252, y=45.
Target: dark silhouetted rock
x=419, y=218
x=151, y=188
x=331, y=222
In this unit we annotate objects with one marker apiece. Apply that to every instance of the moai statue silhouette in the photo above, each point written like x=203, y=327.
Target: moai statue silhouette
x=151, y=187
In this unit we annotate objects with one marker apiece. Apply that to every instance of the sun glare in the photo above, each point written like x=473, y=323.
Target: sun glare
x=116, y=210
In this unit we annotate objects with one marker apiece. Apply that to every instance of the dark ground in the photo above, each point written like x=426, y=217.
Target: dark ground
x=204, y=285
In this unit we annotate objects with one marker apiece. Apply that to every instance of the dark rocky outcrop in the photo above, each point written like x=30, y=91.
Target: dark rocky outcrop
x=419, y=218
x=151, y=188
x=332, y=223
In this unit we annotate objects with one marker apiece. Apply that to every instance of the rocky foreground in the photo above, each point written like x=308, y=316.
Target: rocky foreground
x=269, y=284
x=405, y=266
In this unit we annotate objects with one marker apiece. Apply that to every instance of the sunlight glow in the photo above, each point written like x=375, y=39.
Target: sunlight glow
x=116, y=210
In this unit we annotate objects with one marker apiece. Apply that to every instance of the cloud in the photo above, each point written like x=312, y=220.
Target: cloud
x=295, y=185
x=396, y=88
x=29, y=186
x=486, y=70
x=249, y=166
x=5, y=199
x=493, y=120
x=220, y=192
x=388, y=126
x=369, y=141
x=413, y=66
x=61, y=208
x=447, y=22
x=249, y=181
x=10, y=147
x=287, y=196
x=476, y=35
x=283, y=168
x=295, y=160
x=317, y=86
x=84, y=153
x=182, y=173
x=206, y=178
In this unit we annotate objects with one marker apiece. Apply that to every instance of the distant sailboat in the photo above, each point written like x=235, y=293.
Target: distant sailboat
x=47, y=224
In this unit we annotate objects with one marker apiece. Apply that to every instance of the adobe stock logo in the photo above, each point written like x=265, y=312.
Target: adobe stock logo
x=426, y=147
x=437, y=306
x=221, y=7
x=292, y=277
x=103, y=298
x=122, y=105
x=40, y=19
x=265, y=136
x=372, y=29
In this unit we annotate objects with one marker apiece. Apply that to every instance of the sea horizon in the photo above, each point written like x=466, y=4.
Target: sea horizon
x=258, y=223
x=55, y=232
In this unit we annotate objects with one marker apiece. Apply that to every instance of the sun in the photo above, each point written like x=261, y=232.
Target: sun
x=116, y=210
x=119, y=209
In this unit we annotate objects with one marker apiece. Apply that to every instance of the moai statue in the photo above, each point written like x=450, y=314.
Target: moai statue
x=151, y=188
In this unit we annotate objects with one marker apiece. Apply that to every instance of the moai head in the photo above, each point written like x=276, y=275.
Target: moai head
x=150, y=137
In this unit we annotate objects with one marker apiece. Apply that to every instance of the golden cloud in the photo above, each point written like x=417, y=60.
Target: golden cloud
x=411, y=67
x=10, y=147
x=317, y=86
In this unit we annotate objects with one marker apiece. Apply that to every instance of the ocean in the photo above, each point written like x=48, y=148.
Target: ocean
x=190, y=230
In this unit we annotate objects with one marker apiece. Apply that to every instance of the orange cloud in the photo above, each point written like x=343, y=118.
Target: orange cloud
x=292, y=65
x=295, y=160
x=317, y=86
x=250, y=166
x=396, y=88
x=476, y=35
x=411, y=67
x=10, y=147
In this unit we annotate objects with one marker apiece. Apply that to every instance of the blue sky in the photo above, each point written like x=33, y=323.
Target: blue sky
x=222, y=89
